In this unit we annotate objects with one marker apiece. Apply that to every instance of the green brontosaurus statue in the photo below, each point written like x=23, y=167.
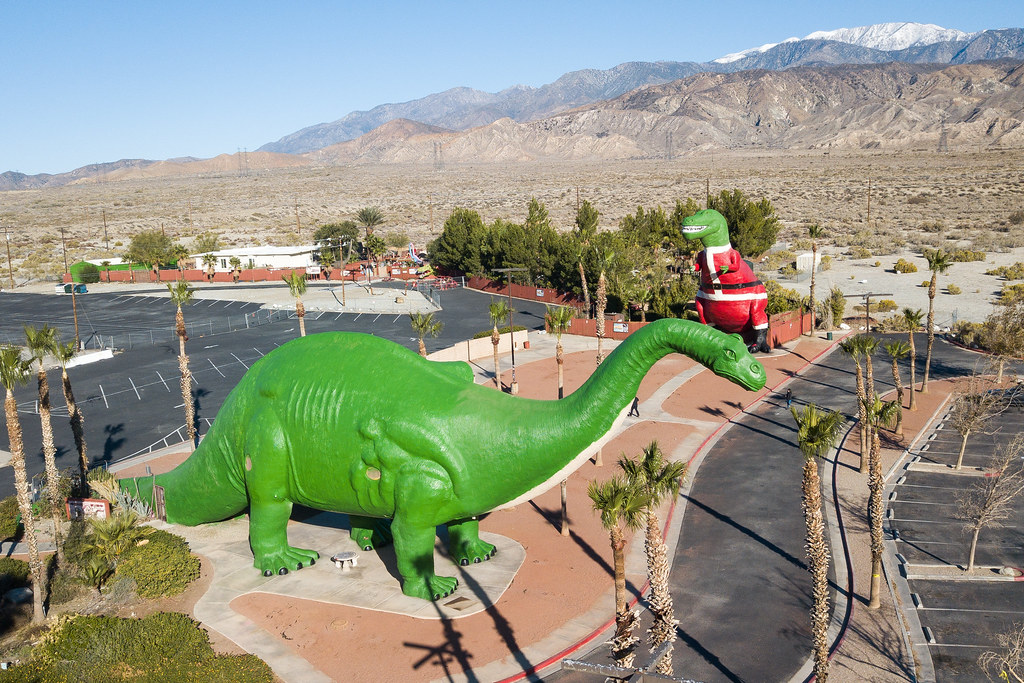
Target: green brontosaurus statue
x=353, y=423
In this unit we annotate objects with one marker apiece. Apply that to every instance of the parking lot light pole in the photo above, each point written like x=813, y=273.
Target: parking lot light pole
x=514, y=386
x=74, y=303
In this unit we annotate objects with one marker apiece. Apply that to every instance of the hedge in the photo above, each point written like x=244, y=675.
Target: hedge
x=13, y=574
x=163, y=566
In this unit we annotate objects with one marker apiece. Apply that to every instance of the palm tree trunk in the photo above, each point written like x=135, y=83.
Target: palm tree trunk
x=565, y=511
x=899, y=396
x=913, y=372
x=875, y=484
x=50, y=461
x=963, y=447
x=586, y=292
x=974, y=547
x=931, y=333
x=602, y=303
x=862, y=413
x=818, y=564
x=17, y=446
x=664, y=627
x=300, y=313
x=78, y=430
x=624, y=642
x=186, y=396
x=423, y=348
x=495, y=340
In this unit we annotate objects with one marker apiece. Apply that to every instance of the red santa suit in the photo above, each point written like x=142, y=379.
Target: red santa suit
x=730, y=298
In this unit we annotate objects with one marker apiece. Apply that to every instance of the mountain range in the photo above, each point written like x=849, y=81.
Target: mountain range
x=887, y=85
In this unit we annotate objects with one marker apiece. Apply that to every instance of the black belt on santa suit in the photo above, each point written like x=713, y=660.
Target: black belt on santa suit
x=735, y=285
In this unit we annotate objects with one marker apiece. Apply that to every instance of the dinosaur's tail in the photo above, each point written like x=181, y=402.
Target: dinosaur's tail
x=207, y=487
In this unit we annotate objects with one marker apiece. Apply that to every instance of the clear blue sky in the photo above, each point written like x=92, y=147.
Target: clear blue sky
x=85, y=82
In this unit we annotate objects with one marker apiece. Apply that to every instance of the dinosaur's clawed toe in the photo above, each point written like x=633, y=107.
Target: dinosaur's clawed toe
x=472, y=551
x=431, y=588
x=286, y=560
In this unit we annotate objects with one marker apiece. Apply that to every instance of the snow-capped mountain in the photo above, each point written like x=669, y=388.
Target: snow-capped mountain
x=889, y=36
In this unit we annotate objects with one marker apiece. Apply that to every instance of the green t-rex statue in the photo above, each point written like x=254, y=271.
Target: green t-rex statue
x=354, y=423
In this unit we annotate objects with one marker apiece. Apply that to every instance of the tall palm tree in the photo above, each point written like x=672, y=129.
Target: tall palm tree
x=912, y=319
x=817, y=433
x=369, y=218
x=605, y=259
x=64, y=352
x=181, y=293
x=39, y=342
x=870, y=346
x=558, y=319
x=657, y=478
x=854, y=348
x=898, y=350
x=423, y=325
x=579, y=251
x=622, y=507
x=297, y=286
x=499, y=311
x=815, y=232
x=938, y=262
x=877, y=413
x=14, y=371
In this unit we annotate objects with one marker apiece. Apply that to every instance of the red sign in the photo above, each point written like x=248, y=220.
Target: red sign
x=79, y=508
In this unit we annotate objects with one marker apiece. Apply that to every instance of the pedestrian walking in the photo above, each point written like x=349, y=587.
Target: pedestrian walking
x=789, y=398
x=634, y=410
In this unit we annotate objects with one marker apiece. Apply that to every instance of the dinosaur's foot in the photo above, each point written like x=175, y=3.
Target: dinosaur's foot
x=283, y=561
x=370, y=534
x=472, y=551
x=430, y=587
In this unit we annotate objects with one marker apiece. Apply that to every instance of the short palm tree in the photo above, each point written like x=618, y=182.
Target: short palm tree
x=912, y=319
x=423, y=325
x=296, y=282
x=815, y=232
x=877, y=413
x=236, y=268
x=898, y=350
x=109, y=539
x=622, y=506
x=499, y=311
x=369, y=218
x=658, y=479
x=605, y=259
x=854, y=348
x=558, y=319
x=39, y=342
x=181, y=293
x=938, y=262
x=14, y=371
x=210, y=261
x=817, y=432
x=64, y=352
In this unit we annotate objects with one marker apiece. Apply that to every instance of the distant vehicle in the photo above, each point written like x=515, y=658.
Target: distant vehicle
x=67, y=288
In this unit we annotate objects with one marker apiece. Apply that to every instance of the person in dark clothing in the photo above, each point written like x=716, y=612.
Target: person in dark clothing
x=634, y=410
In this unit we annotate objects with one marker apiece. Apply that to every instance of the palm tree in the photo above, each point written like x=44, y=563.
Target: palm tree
x=369, y=218
x=870, y=347
x=877, y=413
x=854, y=348
x=64, y=352
x=236, y=268
x=815, y=232
x=181, y=293
x=423, y=325
x=558, y=319
x=912, y=319
x=657, y=479
x=210, y=261
x=605, y=258
x=39, y=342
x=938, y=262
x=622, y=506
x=817, y=433
x=579, y=251
x=898, y=350
x=297, y=286
x=499, y=311
x=14, y=371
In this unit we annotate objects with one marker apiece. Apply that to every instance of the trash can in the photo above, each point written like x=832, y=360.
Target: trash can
x=829, y=336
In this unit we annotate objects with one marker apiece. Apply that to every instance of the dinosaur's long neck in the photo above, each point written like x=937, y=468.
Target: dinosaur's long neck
x=567, y=432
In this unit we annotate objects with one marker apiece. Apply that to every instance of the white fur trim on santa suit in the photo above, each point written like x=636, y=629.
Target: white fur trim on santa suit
x=718, y=296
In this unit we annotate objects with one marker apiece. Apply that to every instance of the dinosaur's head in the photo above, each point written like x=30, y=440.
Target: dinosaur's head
x=708, y=226
x=735, y=363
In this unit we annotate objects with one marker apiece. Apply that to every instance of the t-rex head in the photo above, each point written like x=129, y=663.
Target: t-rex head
x=708, y=226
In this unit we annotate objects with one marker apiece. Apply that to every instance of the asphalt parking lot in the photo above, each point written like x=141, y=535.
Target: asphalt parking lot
x=133, y=401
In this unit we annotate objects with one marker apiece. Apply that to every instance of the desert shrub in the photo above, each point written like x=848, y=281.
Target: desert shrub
x=501, y=330
x=967, y=332
x=65, y=586
x=837, y=302
x=892, y=323
x=885, y=306
x=781, y=299
x=859, y=252
x=163, y=566
x=933, y=226
x=966, y=255
x=9, y=517
x=13, y=573
x=826, y=262
x=788, y=271
x=904, y=266
x=1010, y=294
x=1014, y=272
x=953, y=289
x=89, y=273
x=918, y=198
x=926, y=283
x=1017, y=217
x=165, y=646
x=777, y=259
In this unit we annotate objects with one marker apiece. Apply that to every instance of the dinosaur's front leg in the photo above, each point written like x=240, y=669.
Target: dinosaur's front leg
x=421, y=492
x=464, y=544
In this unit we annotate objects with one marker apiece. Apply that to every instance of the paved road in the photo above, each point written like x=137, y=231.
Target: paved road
x=133, y=400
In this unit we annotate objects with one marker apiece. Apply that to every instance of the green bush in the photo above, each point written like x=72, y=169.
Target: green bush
x=88, y=273
x=885, y=306
x=953, y=289
x=9, y=517
x=165, y=646
x=966, y=255
x=926, y=283
x=501, y=330
x=788, y=271
x=781, y=299
x=826, y=262
x=1014, y=272
x=1011, y=294
x=904, y=266
x=163, y=566
x=859, y=252
x=13, y=573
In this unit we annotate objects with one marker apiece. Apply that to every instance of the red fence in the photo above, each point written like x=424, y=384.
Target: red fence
x=784, y=327
x=550, y=296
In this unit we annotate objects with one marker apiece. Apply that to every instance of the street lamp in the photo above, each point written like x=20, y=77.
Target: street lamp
x=514, y=387
x=74, y=303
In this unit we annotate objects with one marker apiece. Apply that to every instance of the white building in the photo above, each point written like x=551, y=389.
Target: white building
x=263, y=257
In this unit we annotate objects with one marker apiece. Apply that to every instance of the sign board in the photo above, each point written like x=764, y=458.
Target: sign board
x=540, y=293
x=620, y=327
x=85, y=508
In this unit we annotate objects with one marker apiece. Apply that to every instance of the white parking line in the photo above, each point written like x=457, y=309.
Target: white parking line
x=240, y=361
x=216, y=368
x=103, y=395
x=135, y=388
x=257, y=351
x=164, y=382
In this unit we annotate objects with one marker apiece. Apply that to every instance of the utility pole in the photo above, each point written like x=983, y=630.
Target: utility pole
x=869, y=200
x=867, y=305
x=74, y=302
x=106, y=240
x=514, y=388
x=10, y=264
x=298, y=226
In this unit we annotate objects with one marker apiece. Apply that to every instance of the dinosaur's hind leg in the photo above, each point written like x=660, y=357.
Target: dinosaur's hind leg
x=464, y=544
x=370, y=533
x=422, y=493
